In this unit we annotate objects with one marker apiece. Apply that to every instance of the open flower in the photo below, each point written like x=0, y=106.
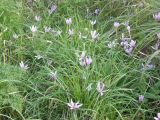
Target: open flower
x=85, y=60
x=74, y=106
x=33, y=28
x=116, y=24
x=23, y=65
x=93, y=22
x=38, y=18
x=47, y=29
x=69, y=21
x=100, y=88
x=52, y=9
x=157, y=16
x=94, y=34
x=70, y=32
x=141, y=98
x=158, y=117
x=53, y=75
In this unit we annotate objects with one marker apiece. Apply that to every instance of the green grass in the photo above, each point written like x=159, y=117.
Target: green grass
x=32, y=95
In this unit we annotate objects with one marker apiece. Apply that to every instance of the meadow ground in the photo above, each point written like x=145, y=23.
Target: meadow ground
x=79, y=59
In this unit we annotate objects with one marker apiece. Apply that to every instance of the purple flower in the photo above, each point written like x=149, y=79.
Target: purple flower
x=157, y=16
x=84, y=60
x=158, y=117
x=97, y=11
x=68, y=21
x=100, y=88
x=149, y=66
x=141, y=98
x=53, y=9
x=74, y=106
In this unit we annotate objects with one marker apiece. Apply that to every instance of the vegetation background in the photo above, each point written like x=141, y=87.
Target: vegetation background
x=32, y=95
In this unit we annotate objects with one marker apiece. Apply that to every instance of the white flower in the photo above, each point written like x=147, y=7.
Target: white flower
x=53, y=75
x=69, y=21
x=97, y=11
x=94, y=34
x=15, y=36
x=47, y=29
x=116, y=24
x=33, y=28
x=100, y=88
x=158, y=117
x=74, y=106
x=70, y=32
x=38, y=18
x=93, y=22
x=23, y=66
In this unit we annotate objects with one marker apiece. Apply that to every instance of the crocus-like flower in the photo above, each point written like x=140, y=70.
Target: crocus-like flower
x=97, y=11
x=69, y=21
x=23, y=65
x=47, y=29
x=147, y=67
x=84, y=60
x=70, y=32
x=53, y=9
x=141, y=98
x=53, y=75
x=15, y=36
x=38, y=18
x=116, y=24
x=158, y=117
x=157, y=16
x=74, y=106
x=33, y=28
x=100, y=88
x=93, y=22
x=94, y=34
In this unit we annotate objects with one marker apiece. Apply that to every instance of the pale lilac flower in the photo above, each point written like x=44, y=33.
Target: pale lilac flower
x=47, y=29
x=33, y=28
x=38, y=18
x=157, y=16
x=53, y=75
x=158, y=117
x=94, y=34
x=97, y=11
x=23, y=65
x=70, y=32
x=38, y=57
x=15, y=36
x=84, y=60
x=88, y=61
x=53, y=9
x=69, y=21
x=89, y=87
x=133, y=43
x=141, y=98
x=74, y=106
x=100, y=88
x=148, y=67
x=116, y=24
x=93, y=22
